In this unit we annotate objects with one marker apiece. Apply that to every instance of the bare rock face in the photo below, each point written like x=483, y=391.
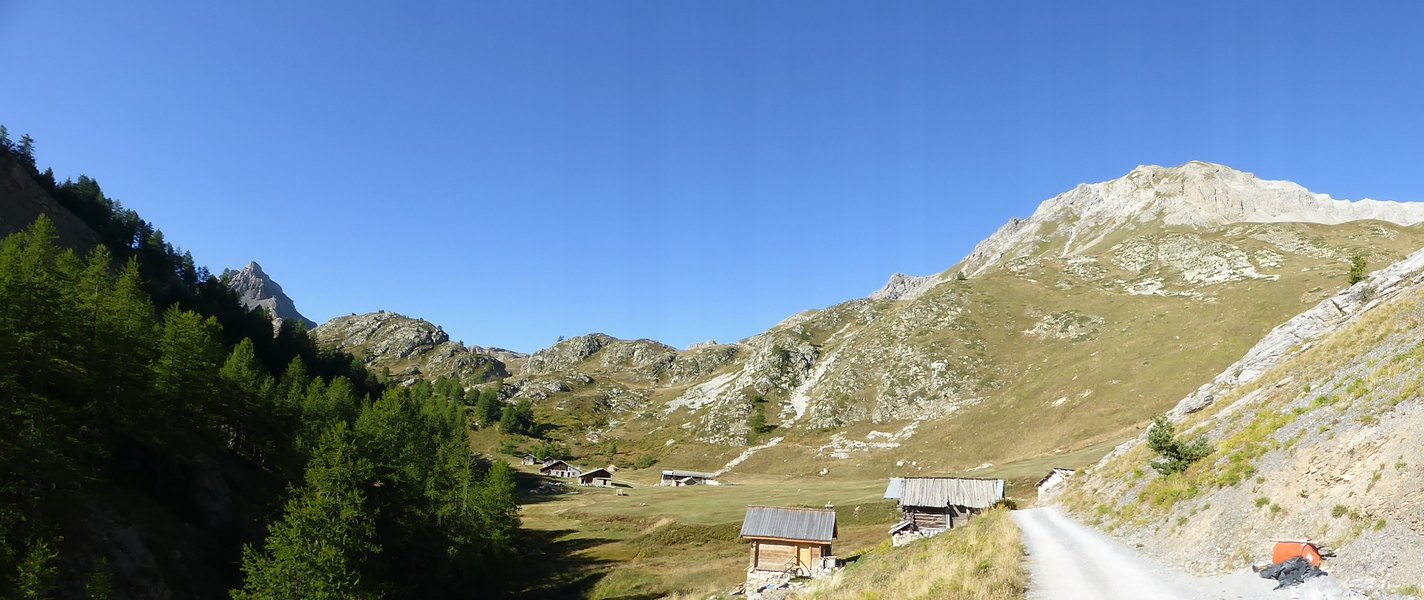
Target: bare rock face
x=905, y=287
x=409, y=348
x=1196, y=195
x=254, y=288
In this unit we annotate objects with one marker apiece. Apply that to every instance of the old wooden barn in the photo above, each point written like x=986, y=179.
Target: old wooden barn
x=930, y=505
x=795, y=541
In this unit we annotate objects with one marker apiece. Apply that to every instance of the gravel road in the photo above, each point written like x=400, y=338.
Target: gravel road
x=1070, y=561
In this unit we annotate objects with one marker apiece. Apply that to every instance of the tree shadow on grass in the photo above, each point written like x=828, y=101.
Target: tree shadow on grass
x=552, y=564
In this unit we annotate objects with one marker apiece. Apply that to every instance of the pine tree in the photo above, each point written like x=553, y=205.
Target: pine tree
x=322, y=544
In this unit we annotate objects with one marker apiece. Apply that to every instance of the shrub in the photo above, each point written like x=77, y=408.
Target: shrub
x=1357, y=268
x=1176, y=455
x=645, y=461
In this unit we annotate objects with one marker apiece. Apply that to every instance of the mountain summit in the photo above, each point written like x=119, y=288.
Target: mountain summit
x=254, y=288
x=1196, y=196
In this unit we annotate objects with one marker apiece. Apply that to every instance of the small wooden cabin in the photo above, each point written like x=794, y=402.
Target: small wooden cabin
x=790, y=540
x=934, y=504
x=559, y=468
x=1052, y=484
x=676, y=478
x=530, y=460
x=596, y=478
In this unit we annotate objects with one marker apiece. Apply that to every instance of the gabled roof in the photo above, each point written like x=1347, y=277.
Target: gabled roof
x=1066, y=473
x=554, y=463
x=597, y=473
x=800, y=524
x=951, y=491
x=681, y=474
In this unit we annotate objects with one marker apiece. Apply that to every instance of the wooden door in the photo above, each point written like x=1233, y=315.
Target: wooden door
x=803, y=557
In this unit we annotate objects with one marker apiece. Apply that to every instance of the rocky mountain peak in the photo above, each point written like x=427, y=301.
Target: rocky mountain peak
x=905, y=287
x=254, y=288
x=1196, y=195
x=409, y=348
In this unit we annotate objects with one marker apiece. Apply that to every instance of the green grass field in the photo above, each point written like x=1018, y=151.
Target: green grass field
x=658, y=541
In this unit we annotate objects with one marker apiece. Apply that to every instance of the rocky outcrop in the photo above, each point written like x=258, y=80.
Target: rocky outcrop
x=255, y=289
x=906, y=287
x=408, y=348
x=1196, y=195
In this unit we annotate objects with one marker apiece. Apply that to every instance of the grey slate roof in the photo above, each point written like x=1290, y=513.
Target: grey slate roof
x=806, y=524
x=951, y=491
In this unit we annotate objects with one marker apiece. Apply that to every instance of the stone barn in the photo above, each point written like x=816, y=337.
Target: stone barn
x=931, y=505
x=675, y=478
x=596, y=478
x=1053, y=484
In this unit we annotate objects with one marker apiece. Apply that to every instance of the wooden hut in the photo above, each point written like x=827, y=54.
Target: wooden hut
x=559, y=468
x=676, y=478
x=1052, y=484
x=530, y=460
x=930, y=505
x=795, y=541
x=596, y=478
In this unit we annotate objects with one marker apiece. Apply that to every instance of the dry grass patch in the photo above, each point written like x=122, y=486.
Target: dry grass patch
x=981, y=561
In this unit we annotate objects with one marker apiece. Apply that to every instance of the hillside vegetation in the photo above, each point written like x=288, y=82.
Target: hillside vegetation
x=152, y=446
x=980, y=561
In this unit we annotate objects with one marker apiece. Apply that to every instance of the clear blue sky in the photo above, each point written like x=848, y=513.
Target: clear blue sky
x=518, y=171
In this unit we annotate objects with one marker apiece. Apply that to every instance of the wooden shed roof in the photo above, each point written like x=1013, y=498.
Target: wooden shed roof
x=892, y=491
x=800, y=524
x=951, y=491
x=596, y=473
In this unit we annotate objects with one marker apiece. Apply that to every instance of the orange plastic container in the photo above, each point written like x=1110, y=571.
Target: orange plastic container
x=1285, y=551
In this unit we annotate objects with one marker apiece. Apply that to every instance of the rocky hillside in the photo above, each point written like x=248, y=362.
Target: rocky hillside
x=408, y=348
x=1108, y=305
x=1316, y=434
x=255, y=289
x=22, y=201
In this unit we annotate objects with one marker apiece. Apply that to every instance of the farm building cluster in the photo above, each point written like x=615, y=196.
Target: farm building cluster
x=789, y=542
x=601, y=477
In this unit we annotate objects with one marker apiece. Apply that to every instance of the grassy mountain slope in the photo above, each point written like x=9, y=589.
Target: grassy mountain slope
x=1322, y=444
x=1055, y=344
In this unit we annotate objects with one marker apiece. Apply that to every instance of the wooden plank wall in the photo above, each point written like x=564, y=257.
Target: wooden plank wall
x=773, y=556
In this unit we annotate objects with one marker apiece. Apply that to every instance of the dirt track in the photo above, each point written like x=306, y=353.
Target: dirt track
x=1069, y=561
